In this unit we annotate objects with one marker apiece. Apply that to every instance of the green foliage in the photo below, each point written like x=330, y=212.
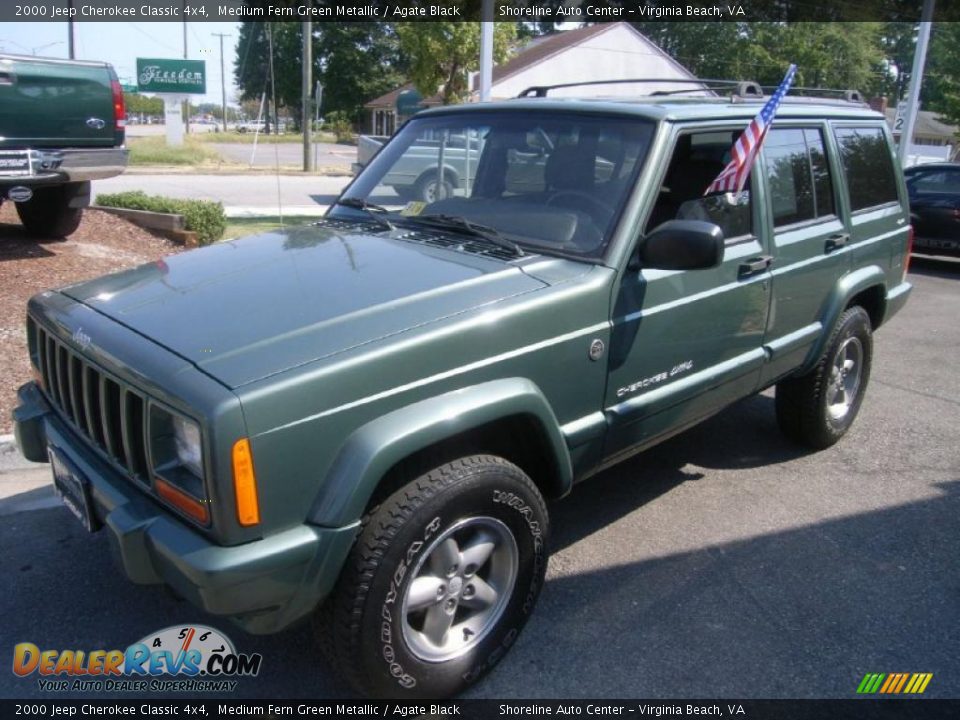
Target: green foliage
x=137, y=103
x=832, y=55
x=354, y=61
x=203, y=217
x=338, y=122
x=440, y=54
x=941, y=81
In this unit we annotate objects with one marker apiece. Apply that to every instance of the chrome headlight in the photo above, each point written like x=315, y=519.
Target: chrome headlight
x=186, y=440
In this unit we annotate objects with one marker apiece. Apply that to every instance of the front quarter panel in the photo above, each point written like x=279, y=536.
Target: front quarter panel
x=376, y=447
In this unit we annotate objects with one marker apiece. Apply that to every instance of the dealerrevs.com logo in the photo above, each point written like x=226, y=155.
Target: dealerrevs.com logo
x=179, y=658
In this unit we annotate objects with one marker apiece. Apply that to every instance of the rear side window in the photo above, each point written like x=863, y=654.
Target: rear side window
x=798, y=175
x=868, y=166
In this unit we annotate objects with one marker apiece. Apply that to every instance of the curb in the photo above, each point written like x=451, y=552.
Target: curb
x=7, y=444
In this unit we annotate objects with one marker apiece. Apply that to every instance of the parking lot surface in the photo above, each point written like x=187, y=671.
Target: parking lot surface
x=723, y=563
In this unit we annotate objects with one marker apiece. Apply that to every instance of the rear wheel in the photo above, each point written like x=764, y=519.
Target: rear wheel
x=442, y=579
x=430, y=188
x=50, y=212
x=818, y=408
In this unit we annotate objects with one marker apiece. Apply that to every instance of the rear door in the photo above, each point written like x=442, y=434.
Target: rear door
x=811, y=244
x=878, y=212
x=51, y=103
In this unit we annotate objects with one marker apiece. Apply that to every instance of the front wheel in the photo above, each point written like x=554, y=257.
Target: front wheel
x=818, y=408
x=443, y=577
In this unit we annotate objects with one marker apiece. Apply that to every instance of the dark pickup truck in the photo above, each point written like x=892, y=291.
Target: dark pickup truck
x=61, y=126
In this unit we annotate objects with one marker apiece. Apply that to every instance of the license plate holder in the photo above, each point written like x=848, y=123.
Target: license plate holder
x=15, y=163
x=73, y=489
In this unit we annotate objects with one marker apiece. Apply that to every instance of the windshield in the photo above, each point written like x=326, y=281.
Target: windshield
x=544, y=181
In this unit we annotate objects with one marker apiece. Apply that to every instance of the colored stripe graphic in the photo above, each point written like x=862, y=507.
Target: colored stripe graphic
x=894, y=683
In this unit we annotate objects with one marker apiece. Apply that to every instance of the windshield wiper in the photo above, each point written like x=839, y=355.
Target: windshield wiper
x=484, y=232
x=369, y=208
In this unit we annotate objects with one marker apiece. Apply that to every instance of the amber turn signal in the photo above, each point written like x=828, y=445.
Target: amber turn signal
x=245, y=484
x=180, y=500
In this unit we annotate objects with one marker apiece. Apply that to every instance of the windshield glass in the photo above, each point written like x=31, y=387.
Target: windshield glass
x=545, y=181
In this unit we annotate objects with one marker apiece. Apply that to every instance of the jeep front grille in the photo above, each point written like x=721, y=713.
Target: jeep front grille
x=108, y=413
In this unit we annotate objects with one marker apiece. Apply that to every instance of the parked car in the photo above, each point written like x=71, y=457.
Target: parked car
x=935, y=207
x=245, y=127
x=61, y=125
x=364, y=417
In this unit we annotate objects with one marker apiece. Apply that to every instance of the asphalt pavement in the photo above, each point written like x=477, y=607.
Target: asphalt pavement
x=725, y=562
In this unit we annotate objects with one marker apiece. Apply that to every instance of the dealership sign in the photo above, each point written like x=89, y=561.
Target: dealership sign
x=175, y=77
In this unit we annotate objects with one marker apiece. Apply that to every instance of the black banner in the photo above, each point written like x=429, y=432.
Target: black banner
x=916, y=709
x=468, y=10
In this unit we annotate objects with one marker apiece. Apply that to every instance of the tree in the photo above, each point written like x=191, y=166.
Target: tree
x=837, y=55
x=441, y=54
x=354, y=61
x=138, y=104
x=357, y=61
x=941, y=78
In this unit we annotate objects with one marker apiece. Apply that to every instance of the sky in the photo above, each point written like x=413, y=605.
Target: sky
x=121, y=43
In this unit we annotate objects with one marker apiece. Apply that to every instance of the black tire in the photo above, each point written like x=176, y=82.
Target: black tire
x=805, y=409
x=48, y=213
x=364, y=617
x=428, y=190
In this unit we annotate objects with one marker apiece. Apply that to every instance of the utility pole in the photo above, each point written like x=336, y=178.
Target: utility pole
x=486, y=50
x=916, y=80
x=223, y=81
x=71, y=52
x=186, y=102
x=305, y=82
x=273, y=82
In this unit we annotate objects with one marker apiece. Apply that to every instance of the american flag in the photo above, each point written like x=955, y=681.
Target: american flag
x=734, y=175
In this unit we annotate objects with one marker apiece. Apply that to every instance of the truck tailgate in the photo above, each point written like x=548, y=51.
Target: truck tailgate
x=55, y=103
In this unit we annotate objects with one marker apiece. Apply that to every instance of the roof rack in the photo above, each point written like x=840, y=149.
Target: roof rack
x=743, y=88
x=850, y=95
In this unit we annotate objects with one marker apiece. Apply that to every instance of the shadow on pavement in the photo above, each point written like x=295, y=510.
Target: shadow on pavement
x=16, y=245
x=799, y=613
x=744, y=435
x=941, y=267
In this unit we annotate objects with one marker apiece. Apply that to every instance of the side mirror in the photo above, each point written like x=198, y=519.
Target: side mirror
x=682, y=245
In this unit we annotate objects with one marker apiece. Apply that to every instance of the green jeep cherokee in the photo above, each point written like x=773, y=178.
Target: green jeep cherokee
x=358, y=421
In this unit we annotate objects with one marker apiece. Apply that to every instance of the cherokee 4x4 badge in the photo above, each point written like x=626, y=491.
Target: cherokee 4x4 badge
x=677, y=369
x=179, y=658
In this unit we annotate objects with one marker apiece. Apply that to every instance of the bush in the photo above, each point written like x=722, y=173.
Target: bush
x=339, y=123
x=203, y=217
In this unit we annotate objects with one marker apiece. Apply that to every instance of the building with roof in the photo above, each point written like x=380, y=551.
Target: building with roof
x=596, y=52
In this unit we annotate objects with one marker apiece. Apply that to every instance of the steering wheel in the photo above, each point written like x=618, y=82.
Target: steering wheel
x=596, y=209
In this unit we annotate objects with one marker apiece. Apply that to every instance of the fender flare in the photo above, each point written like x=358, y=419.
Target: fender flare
x=845, y=290
x=373, y=449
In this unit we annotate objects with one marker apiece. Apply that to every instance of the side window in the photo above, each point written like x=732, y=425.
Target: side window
x=697, y=159
x=822, y=183
x=867, y=165
x=788, y=177
x=798, y=175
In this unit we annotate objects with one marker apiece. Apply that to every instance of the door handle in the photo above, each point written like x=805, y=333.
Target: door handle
x=755, y=265
x=835, y=242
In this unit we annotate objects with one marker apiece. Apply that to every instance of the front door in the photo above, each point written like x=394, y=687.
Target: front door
x=686, y=343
